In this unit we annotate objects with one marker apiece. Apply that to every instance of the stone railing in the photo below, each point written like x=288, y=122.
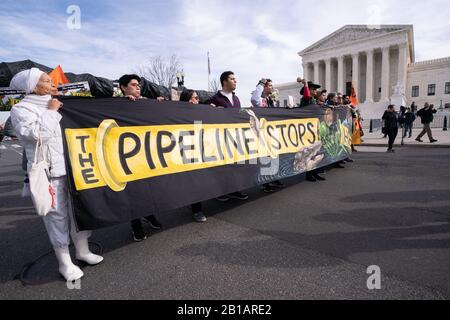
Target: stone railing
x=430, y=62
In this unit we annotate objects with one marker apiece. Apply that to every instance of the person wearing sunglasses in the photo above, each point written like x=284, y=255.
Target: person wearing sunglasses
x=130, y=86
x=192, y=97
x=262, y=98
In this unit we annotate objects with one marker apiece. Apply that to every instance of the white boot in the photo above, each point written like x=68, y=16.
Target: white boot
x=82, y=249
x=66, y=267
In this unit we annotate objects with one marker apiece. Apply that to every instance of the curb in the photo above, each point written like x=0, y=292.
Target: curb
x=428, y=145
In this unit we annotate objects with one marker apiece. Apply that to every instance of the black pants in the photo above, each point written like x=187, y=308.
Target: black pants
x=196, y=207
x=392, y=133
x=314, y=172
x=408, y=130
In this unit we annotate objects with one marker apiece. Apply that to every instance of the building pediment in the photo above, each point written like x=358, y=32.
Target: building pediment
x=353, y=33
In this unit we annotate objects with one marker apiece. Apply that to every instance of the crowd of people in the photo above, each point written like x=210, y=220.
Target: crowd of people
x=36, y=123
x=404, y=119
x=313, y=94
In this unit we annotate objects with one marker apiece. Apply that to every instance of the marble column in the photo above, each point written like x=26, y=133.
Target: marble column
x=328, y=74
x=305, y=71
x=385, y=73
x=316, y=72
x=355, y=73
x=340, y=74
x=369, y=77
x=402, y=66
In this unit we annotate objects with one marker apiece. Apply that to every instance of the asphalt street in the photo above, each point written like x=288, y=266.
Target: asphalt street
x=305, y=241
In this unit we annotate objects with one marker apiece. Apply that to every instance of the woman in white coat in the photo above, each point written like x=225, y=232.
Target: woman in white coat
x=36, y=116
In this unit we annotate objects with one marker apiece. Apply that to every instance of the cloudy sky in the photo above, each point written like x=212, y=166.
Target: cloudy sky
x=253, y=38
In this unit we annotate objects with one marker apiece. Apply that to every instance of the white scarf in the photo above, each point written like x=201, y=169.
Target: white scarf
x=40, y=101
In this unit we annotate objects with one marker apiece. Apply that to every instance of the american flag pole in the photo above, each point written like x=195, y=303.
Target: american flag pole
x=209, y=72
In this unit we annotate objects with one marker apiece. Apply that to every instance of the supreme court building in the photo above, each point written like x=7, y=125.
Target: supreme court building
x=380, y=62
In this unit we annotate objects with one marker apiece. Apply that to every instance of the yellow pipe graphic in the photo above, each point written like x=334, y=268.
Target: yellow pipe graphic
x=112, y=156
x=103, y=157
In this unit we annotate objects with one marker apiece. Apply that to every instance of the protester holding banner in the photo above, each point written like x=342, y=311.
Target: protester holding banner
x=36, y=122
x=345, y=102
x=226, y=98
x=308, y=92
x=332, y=99
x=261, y=97
x=130, y=87
x=340, y=99
x=357, y=131
x=321, y=98
x=333, y=103
x=354, y=123
x=191, y=96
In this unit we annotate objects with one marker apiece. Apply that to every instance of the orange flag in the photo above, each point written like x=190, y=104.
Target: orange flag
x=58, y=77
x=353, y=97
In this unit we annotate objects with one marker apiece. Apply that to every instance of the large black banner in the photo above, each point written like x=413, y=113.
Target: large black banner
x=128, y=159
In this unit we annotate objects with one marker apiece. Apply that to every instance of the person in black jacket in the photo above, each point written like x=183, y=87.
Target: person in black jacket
x=409, y=120
x=391, y=124
x=426, y=115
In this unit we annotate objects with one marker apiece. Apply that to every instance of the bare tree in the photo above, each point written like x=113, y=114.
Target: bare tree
x=161, y=71
x=214, y=85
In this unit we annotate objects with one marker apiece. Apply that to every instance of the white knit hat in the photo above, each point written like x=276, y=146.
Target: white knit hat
x=26, y=80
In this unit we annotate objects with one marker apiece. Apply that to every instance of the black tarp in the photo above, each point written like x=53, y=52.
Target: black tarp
x=204, y=96
x=152, y=90
x=9, y=69
x=100, y=87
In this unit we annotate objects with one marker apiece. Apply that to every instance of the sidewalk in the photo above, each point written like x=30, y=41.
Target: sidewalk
x=376, y=139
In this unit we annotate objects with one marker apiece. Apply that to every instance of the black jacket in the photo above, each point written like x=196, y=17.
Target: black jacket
x=409, y=117
x=390, y=120
x=426, y=115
